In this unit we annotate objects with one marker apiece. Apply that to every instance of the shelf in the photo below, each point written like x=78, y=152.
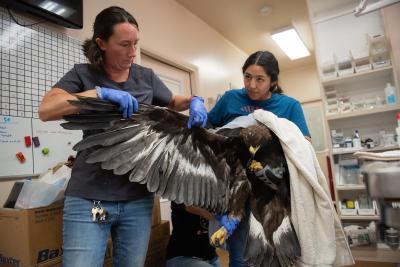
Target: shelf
x=360, y=217
x=350, y=187
x=342, y=151
x=367, y=112
x=355, y=77
x=377, y=253
x=322, y=11
x=332, y=16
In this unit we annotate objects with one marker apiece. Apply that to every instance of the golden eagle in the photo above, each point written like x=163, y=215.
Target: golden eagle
x=222, y=171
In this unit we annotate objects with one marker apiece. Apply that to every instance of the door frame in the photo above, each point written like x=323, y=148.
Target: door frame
x=191, y=69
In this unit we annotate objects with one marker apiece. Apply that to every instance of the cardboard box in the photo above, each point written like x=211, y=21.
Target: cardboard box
x=33, y=237
x=57, y=262
x=30, y=237
x=156, y=216
x=157, y=250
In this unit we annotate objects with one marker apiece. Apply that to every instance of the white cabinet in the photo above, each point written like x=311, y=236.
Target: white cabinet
x=353, y=84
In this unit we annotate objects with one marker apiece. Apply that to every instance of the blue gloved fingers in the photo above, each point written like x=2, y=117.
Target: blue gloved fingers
x=135, y=104
x=123, y=102
x=196, y=120
x=204, y=122
x=198, y=112
x=189, y=123
x=130, y=106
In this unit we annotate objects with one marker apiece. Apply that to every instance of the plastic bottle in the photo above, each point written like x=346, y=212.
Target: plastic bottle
x=390, y=94
x=398, y=129
x=356, y=139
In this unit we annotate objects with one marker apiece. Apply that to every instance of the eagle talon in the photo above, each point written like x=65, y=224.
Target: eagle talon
x=219, y=237
x=255, y=166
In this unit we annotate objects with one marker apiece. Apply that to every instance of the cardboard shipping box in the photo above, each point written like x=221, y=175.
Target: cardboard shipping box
x=57, y=262
x=30, y=237
x=157, y=249
x=156, y=216
x=33, y=237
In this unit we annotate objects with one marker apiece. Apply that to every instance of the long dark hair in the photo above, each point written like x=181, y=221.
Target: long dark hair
x=103, y=29
x=268, y=62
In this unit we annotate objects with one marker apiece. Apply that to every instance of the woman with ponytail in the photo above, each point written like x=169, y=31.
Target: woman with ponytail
x=98, y=202
x=261, y=91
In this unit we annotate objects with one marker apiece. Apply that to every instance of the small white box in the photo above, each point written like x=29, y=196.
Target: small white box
x=347, y=211
x=381, y=64
x=367, y=211
x=345, y=66
x=328, y=69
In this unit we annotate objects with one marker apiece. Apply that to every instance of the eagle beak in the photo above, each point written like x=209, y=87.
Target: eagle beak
x=253, y=150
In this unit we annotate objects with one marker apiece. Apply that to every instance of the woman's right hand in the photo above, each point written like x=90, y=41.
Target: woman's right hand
x=127, y=103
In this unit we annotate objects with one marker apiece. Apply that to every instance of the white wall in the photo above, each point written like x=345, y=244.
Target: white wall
x=301, y=83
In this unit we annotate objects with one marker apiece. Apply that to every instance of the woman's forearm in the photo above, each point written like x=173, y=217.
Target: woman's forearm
x=55, y=104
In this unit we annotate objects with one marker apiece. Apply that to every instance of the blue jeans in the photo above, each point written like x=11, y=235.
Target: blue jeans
x=182, y=261
x=236, y=243
x=85, y=241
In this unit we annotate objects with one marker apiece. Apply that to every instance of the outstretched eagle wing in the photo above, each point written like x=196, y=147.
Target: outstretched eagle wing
x=157, y=149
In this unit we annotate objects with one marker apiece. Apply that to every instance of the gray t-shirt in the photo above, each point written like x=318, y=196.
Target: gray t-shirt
x=89, y=180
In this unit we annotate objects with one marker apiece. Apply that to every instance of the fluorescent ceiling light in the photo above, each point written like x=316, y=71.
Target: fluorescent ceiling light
x=291, y=44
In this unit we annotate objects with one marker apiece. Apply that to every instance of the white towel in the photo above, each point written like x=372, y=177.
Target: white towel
x=317, y=224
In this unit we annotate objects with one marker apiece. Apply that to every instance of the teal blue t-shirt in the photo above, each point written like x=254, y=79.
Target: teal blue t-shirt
x=235, y=103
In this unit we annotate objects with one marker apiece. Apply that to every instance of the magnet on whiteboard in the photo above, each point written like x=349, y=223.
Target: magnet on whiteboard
x=45, y=151
x=36, y=142
x=20, y=157
x=28, y=142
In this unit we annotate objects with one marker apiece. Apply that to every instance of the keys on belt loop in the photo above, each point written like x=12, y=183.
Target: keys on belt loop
x=99, y=213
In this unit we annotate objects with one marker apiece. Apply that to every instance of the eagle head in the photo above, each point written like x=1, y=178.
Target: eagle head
x=267, y=161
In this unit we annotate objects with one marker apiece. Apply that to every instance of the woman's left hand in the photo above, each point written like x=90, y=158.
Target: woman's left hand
x=197, y=112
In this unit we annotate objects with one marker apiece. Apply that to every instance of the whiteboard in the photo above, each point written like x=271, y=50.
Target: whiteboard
x=12, y=133
x=32, y=60
x=58, y=140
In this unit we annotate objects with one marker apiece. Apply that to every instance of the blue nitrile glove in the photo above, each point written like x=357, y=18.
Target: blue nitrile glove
x=127, y=103
x=197, y=112
x=229, y=223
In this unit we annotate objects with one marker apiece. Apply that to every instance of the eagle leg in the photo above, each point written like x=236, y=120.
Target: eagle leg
x=219, y=237
x=229, y=224
x=239, y=189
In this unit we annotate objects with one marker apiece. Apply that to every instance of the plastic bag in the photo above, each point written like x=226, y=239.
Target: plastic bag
x=44, y=191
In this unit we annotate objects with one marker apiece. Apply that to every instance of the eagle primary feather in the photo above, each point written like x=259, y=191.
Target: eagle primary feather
x=211, y=170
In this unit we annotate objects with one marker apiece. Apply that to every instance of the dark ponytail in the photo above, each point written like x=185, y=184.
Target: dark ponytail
x=103, y=29
x=268, y=62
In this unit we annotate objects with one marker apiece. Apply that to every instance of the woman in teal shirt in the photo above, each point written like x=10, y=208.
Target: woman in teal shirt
x=261, y=91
